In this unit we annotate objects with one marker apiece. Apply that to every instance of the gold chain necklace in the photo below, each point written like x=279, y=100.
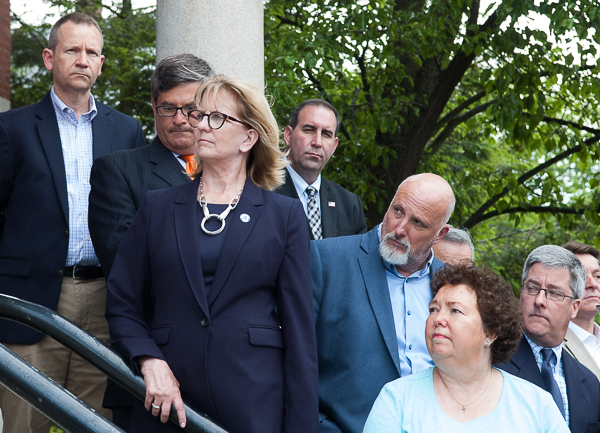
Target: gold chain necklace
x=464, y=406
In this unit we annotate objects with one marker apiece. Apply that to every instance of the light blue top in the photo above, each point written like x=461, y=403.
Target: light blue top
x=409, y=405
x=301, y=185
x=77, y=147
x=410, y=297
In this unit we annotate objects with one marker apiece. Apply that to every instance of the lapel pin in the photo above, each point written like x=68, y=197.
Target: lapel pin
x=245, y=217
x=331, y=204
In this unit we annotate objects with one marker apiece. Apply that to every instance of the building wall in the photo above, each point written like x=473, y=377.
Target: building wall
x=5, y=54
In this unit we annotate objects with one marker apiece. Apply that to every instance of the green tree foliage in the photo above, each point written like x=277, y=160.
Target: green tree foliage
x=129, y=47
x=503, y=110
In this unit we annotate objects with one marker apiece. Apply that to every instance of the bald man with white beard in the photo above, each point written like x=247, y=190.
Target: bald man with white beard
x=371, y=296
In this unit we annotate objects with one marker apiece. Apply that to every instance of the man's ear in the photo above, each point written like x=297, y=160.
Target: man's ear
x=48, y=57
x=287, y=132
x=441, y=234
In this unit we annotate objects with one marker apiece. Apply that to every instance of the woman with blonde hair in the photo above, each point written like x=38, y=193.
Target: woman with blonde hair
x=210, y=295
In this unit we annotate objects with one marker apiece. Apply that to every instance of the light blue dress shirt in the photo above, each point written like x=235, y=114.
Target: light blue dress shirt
x=77, y=147
x=410, y=298
x=557, y=371
x=301, y=186
x=409, y=405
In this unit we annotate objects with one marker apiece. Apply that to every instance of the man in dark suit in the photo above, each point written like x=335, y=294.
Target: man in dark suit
x=46, y=257
x=119, y=181
x=553, y=281
x=311, y=138
x=371, y=297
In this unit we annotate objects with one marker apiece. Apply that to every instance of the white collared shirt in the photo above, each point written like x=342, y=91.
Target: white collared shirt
x=590, y=341
x=301, y=185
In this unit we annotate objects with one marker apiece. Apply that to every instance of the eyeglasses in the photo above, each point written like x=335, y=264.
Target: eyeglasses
x=170, y=111
x=553, y=295
x=215, y=119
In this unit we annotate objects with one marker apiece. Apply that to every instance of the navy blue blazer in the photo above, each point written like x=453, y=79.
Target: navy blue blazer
x=583, y=388
x=119, y=182
x=342, y=213
x=356, y=336
x=250, y=368
x=34, y=214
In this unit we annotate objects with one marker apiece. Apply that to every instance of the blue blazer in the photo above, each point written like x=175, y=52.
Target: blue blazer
x=583, y=388
x=356, y=336
x=34, y=214
x=250, y=367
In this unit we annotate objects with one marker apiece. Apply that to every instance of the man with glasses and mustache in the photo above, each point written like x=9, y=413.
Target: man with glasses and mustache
x=371, y=296
x=552, y=284
x=119, y=180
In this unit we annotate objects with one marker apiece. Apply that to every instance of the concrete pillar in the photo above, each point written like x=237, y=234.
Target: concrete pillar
x=5, y=50
x=228, y=34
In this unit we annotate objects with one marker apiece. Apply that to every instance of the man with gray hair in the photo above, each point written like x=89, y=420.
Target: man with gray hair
x=119, y=181
x=371, y=295
x=552, y=283
x=455, y=247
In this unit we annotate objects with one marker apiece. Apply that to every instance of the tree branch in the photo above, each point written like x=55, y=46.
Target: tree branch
x=571, y=124
x=479, y=214
x=460, y=107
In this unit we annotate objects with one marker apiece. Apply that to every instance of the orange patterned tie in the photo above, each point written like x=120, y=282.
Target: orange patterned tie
x=190, y=163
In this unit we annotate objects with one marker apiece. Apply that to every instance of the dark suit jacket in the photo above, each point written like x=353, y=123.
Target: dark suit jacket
x=346, y=218
x=119, y=183
x=236, y=359
x=33, y=201
x=583, y=389
x=356, y=336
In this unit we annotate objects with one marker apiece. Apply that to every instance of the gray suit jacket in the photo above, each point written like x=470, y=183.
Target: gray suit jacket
x=575, y=347
x=342, y=212
x=356, y=336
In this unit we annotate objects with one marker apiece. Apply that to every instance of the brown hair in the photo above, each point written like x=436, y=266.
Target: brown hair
x=75, y=18
x=579, y=248
x=498, y=307
x=266, y=162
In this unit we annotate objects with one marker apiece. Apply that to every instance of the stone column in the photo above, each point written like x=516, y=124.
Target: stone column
x=228, y=34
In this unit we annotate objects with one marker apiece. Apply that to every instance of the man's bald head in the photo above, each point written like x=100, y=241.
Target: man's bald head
x=415, y=220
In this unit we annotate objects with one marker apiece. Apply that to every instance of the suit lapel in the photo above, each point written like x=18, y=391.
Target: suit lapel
x=577, y=349
x=186, y=223
x=102, y=130
x=166, y=165
x=524, y=360
x=49, y=134
x=577, y=393
x=373, y=273
x=236, y=235
x=328, y=213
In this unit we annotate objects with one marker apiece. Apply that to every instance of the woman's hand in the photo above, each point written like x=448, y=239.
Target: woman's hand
x=162, y=389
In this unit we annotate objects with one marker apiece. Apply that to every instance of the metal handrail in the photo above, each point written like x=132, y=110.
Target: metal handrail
x=96, y=352
x=49, y=397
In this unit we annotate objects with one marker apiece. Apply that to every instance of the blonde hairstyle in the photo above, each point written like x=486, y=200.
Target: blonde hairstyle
x=266, y=162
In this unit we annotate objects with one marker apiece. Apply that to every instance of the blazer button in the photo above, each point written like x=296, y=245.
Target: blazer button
x=59, y=273
x=66, y=233
x=204, y=322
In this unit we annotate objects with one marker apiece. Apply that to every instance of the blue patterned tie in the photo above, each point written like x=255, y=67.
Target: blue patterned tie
x=314, y=217
x=548, y=376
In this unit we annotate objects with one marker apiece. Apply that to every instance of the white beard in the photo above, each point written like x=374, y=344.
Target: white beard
x=392, y=255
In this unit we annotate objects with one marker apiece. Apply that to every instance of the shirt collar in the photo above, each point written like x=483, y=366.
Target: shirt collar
x=300, y=183
x=584, y=335
x=418, y=274
x=64, y=110
x=537, y=349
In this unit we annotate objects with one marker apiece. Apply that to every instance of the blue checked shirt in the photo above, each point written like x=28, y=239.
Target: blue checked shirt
x=557, y=370
x=76, y=140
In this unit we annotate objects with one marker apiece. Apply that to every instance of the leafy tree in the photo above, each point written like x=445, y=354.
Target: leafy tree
x=129, y=47
x=505, y=111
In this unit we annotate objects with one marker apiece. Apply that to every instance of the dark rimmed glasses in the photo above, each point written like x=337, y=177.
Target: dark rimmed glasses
x=552, y=294
x=215, y=119
x=171, y=111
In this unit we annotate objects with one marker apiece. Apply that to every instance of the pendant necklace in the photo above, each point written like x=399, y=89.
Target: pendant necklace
x=464, y=406
x=221, y=217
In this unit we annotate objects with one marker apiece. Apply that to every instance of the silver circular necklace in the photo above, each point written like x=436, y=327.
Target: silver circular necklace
x=221, y=217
